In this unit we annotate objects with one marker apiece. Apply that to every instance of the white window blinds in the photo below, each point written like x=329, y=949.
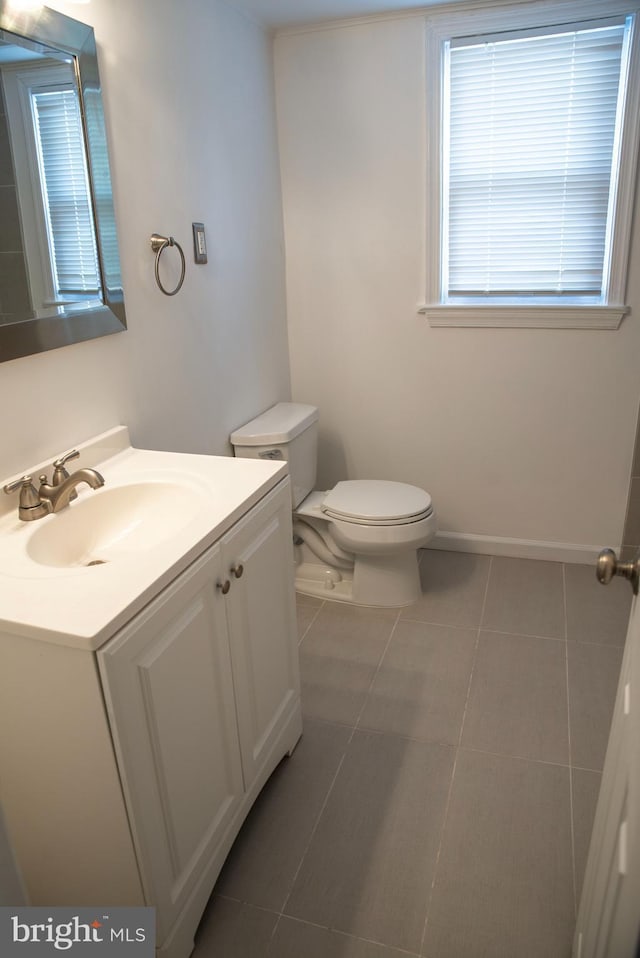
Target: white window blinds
x=66, y=193
x=531, y=141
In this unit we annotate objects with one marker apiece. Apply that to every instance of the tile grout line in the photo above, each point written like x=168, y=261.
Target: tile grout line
x=475, y=652
x=465, y=748
x=571, y=813
x=455, y=762
x=374, y=677
x=353, y=731
x=517, y=635
x=334, y=931
x=445, y=744
x=281, y=912
x=311, y=837
x=313, y=924
x=314, y=829
x=515, y=758
x=313, y=619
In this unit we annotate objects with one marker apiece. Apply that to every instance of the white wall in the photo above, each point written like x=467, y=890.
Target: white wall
x=523, y=434
x=188, y=97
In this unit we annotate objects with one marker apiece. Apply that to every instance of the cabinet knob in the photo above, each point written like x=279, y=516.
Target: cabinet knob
x=238, y=570
x=224, y=586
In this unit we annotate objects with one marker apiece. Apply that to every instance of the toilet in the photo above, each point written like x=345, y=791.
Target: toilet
x=356, y=542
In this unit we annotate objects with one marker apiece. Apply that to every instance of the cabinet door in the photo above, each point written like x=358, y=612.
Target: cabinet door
x=168, y=687
x=262, y=625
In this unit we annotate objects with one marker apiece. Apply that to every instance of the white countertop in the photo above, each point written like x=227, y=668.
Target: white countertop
x=82, y=607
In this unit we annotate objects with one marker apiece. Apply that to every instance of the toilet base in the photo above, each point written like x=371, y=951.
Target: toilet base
x=375, y=581
x=323, y=582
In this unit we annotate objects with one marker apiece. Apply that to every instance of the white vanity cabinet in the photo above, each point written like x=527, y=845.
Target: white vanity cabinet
x=126, y=771
x=200, y=688
x=169, y=690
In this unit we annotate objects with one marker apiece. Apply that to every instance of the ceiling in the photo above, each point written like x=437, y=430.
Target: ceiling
x=279, y=13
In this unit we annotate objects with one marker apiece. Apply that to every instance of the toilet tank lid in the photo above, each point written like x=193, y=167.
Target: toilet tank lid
x=282, y=423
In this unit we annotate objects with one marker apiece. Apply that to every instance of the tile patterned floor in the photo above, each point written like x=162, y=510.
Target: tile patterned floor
x=441, y=799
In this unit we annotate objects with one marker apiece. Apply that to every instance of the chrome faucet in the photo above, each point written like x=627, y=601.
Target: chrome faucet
x=59, y=496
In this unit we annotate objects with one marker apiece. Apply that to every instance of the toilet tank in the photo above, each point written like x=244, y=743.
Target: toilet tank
x=288, y=431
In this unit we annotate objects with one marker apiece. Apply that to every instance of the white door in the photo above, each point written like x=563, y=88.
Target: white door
x=609, y=916
x=168, y=688
x=262, y=625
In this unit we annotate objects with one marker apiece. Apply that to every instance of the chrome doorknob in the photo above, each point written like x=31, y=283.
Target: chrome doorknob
x=608, y=565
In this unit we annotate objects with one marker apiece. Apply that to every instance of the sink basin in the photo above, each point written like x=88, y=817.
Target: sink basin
x=75, y=577
x=113, y=523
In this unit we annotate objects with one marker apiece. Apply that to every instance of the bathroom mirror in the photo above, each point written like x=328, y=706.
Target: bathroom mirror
x=60, y=277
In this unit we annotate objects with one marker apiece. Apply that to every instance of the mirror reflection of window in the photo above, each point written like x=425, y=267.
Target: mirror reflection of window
x=52, y=182
x=65, y=193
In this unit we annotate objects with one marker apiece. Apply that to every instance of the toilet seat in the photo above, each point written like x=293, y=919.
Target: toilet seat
x=376, y=502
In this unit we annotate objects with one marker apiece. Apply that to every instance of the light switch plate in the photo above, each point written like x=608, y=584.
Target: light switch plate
x=199, y=243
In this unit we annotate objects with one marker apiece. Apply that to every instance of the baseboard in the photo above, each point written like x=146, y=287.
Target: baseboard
x=517, y=548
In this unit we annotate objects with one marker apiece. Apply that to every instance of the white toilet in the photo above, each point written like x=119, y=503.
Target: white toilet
x=355, y=543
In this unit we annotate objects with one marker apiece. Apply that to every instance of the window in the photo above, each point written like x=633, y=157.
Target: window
x=536, y=135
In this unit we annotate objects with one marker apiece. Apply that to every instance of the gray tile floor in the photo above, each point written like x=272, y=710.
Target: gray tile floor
x=441, y=799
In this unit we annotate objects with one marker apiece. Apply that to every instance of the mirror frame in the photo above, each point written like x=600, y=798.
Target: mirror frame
x=75, y=323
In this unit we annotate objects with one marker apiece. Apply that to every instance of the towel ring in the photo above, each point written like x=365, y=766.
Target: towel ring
x=158, y=244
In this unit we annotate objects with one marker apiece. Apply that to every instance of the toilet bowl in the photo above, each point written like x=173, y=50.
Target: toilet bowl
x=354, y=543
x=376, y=528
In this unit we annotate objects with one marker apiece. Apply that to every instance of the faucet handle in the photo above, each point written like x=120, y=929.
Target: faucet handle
x=12, y=486
x=59, y=472
x=24, y=484
x=31, y=506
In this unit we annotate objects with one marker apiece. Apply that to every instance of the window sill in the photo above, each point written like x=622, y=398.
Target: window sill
x=501, y=316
